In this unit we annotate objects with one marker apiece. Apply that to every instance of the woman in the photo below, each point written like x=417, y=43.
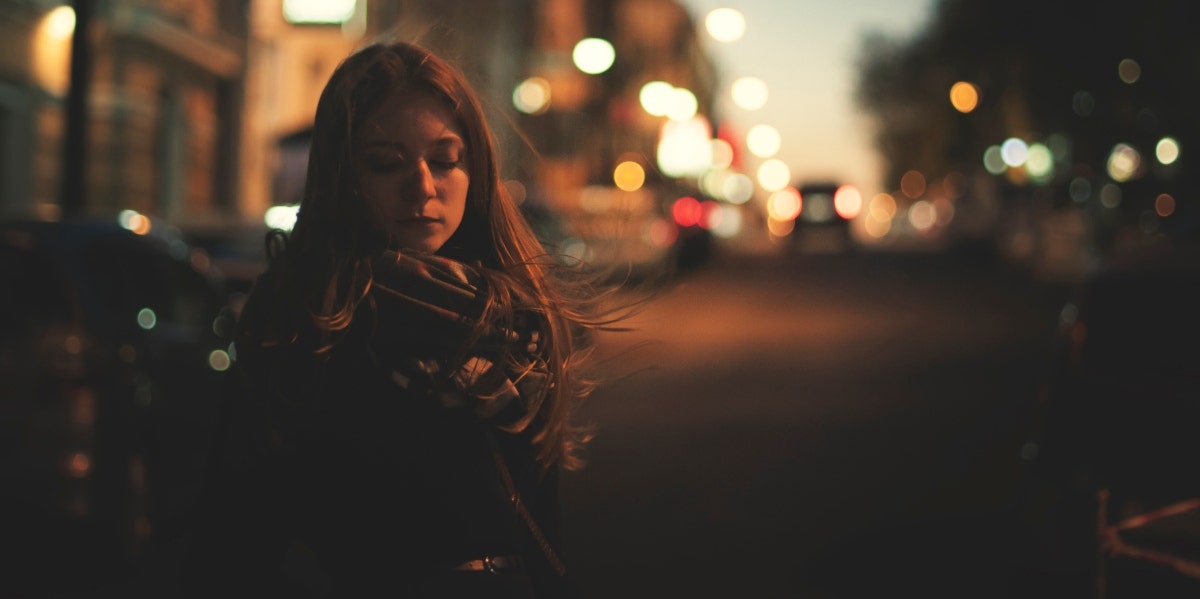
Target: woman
x=409, y=361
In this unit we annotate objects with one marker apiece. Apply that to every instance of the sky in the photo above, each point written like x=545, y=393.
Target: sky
x=805, y=51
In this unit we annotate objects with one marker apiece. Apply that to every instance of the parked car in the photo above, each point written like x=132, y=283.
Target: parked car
x=112, y=343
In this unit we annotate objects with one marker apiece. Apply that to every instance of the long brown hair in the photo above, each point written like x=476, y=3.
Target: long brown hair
x=322, y=269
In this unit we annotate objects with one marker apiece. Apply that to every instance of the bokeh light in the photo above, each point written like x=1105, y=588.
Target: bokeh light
x=532, y=96
x=1124, y=163
x=922, y=215
x=774, y=175
x=737, y=188
x=683, y=105
x=219, y=360
x=784, y=204
x=722, y=154
x=1110, y=195
x=1164, y=205
x=964, y=96
x=656, y=97
x=1129, y=71
x=60, y=23
x=318, y=11
x=281, y=217
x=882, y=207
x=749, y=93
x=725, y=24
x=1014, y=152
x=993, y=160
x=912, y=184
x=763, y=141
x=147, y=319
x=687, y=211
x=1080, y=190
x=593, y=55
x=847, y=201
x=1167, y=150
x=629, y=176
x=729, y=222
x=1040, y=163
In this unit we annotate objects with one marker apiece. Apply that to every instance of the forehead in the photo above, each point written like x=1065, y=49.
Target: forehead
x=412, y=118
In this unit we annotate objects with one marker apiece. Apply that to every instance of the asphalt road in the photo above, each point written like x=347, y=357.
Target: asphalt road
x=817, y=426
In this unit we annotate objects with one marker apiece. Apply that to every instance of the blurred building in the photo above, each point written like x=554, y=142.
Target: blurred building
x=163, y=108
x=200, y=111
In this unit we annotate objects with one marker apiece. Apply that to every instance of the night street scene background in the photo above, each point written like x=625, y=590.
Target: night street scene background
x=959, y=361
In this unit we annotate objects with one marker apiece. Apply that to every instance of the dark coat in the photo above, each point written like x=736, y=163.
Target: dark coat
x=373, y=469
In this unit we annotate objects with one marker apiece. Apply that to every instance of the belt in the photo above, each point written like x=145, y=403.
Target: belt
x=491, y=564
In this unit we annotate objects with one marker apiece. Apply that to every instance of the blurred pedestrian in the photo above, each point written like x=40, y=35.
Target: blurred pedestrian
x=400, y=405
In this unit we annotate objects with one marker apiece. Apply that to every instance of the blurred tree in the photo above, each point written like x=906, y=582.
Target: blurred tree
x=1047, y=71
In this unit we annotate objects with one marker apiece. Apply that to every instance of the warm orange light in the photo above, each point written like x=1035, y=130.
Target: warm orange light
x=780, y=228
x=629, y=176
x=913, y=184
x=964, y=96
x=882, y=208
x=1164, y=205
x=138, y=223
x=784, y=204
x=847, y=201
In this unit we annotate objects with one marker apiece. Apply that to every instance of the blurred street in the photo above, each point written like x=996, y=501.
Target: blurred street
x=817, y=426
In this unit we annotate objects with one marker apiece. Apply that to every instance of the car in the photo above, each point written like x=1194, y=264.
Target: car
x=826, y=211
x=115, y=334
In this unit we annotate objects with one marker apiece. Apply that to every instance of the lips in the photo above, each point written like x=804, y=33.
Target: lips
x=419, y=220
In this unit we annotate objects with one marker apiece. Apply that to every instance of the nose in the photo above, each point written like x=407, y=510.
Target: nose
x=423, y=181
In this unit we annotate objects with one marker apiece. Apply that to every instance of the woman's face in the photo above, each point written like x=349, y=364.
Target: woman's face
x=411, y=168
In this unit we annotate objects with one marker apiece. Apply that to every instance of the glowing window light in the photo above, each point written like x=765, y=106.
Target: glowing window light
x=318, y=11
x=1040, y=163
x=532, y=96
x=683, y=105
x=1014, y=152
x=964, y=96
x=722, y=154
x=763, y=141
x=147, y=319
x=1164, y=205
x=737, y=188
x=60, y=23
x=687, y=211
x=725, y=24
x=1129, y=71
x=1123, y=162
x=882, y=207
x=922, y=215
x=784, y=205
x=1167, y=150
x=912, y=184
x=847, y=201
x=629, y=176
x=656, y=96
x=593, y=55
x=774, y=175
x=281, y=217
x=749, y=93
x=993, y=161
x=219, y=360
